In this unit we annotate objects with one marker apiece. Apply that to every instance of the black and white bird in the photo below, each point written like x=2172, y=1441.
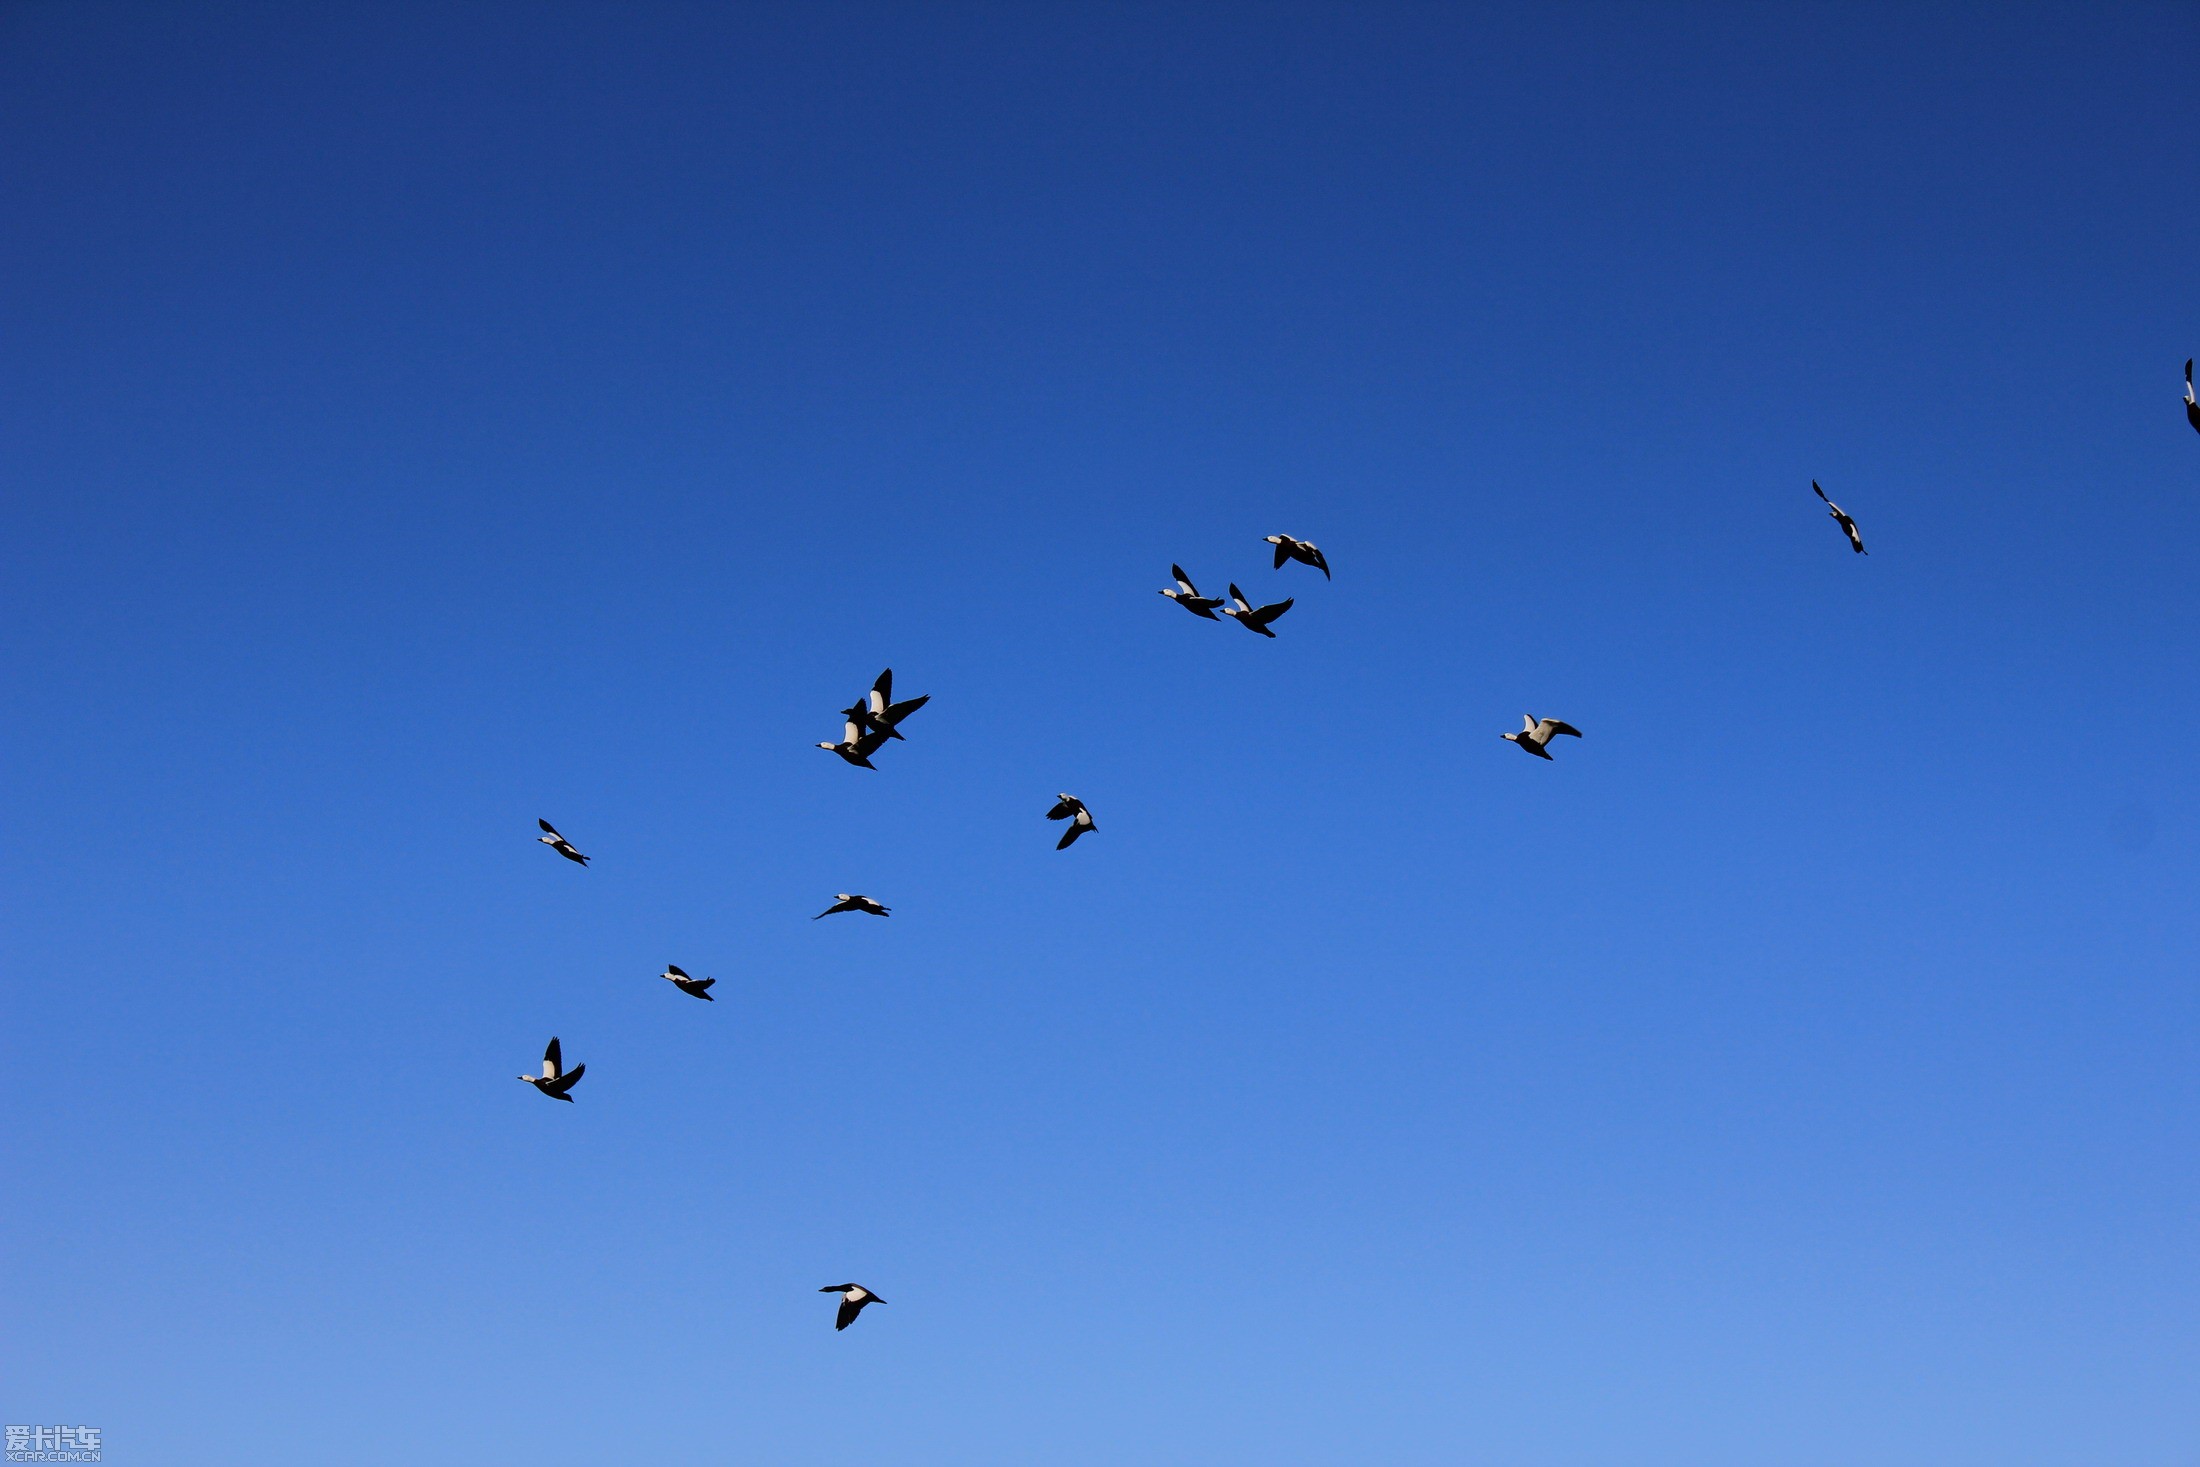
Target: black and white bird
x=693, y=987
x=2192, y=404
x=852, y=1299
x=857, y=744
x=1848, y=526
x=884, y=711
x=1072, y=809
x=555, y=1079
x=558, y=843
x=852, y=903
x=1535, y=736
x=1187, y=596
x=1305, y=552
x=1255, y=619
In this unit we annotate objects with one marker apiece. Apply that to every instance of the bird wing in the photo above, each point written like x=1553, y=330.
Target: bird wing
x=1551, y=726
x=1062, y=810
x=882, y=691
x=896, y=712
x=1821, y=493
x=552, y=1058
x=567, y=1080
x=849, y=1309
x=676, y=970
x=1268, y=614
x=1183, y=581
x=549, y=829
x=702, y=982
x=868, y=744
x=1316, y=559
x=1283, y=553
x=1239, y=597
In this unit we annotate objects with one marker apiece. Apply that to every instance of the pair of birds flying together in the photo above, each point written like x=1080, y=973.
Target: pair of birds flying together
x=557, y=1082
x=1252, y=618
x=872, y=721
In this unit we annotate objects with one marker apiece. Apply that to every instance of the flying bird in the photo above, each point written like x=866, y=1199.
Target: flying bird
x=555, y=1079
x=848, y=903
x=856, y=745
x=693, y=987
x=558, y=843
x=2192, y=404
x=884, y=711
x=1251, y=619
x=1073, y=810
x=1187, y=596
x=852, y=1299
x=1848, y=526
x=1305, y=552
x=1535, y=736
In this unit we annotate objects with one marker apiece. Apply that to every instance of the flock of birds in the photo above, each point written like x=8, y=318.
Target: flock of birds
x=874, y=721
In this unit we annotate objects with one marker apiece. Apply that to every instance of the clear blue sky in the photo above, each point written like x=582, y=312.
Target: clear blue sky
x=418, y=419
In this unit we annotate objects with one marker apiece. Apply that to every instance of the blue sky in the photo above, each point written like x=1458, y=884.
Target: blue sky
x=419, y=419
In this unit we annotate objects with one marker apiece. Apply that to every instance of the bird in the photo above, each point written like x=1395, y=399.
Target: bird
x=555, y=1079
x=694, y=987
x=1534, y=736
x=1073, y=810
x=1305, y=552
x=1251, y=619
x=1848, y=526
x=1187, y=596
x=852, y=1299
x=2192, y=404
x=856, y=745
x=558, y=843
x=848, y=903
x=884, y=711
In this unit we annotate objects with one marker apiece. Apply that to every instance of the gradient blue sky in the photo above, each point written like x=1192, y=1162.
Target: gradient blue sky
x=418, y=419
